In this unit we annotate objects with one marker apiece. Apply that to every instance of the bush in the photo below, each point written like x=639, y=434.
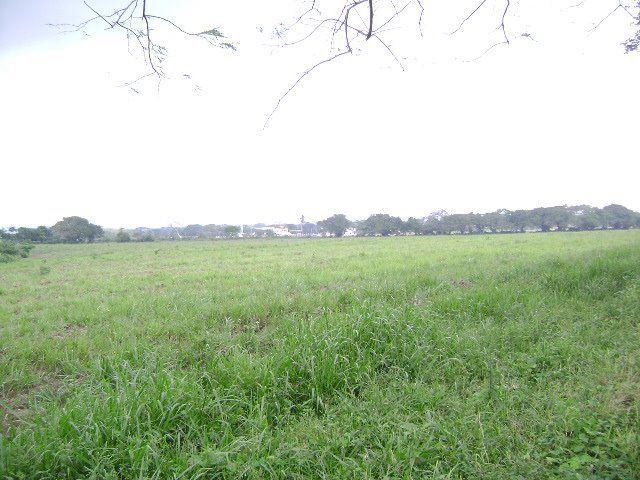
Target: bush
x=10, y=250
x=123, y=236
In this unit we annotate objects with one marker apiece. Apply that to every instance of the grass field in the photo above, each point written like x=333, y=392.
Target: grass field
x=503, y=356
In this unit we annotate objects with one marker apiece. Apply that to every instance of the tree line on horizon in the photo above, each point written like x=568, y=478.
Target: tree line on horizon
x=544, y=219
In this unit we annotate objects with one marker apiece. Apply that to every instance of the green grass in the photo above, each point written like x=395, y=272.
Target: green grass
x=504, y=356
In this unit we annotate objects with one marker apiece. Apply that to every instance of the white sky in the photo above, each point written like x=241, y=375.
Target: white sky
x=543, y=122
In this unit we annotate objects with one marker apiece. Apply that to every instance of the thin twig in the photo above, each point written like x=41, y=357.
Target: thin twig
x=299, y=79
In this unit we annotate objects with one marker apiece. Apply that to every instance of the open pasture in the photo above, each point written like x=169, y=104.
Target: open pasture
x=489, y=356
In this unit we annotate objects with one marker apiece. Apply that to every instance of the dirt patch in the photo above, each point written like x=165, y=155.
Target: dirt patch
x=255, y=324
x=626, y=396
x=12, y=412
x=461, y=283
x=16, y=407
x=69, y=331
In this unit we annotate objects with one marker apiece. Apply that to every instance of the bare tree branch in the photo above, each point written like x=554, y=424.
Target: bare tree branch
x=355, y=30
x=136, y=21
x=370, y=32
x=297, y=82
x=347, y=32
x=502, y=22
x=468, y=17
x=619, y=7
x=502, y=27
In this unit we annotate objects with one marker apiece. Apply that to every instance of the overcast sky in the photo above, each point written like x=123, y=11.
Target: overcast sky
x=551, y=119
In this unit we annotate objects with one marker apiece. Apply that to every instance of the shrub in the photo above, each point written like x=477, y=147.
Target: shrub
x=123, y=236
x=10, y=250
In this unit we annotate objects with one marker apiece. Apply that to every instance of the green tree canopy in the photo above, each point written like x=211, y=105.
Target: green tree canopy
x=40, y=234
x=76, y=230
x=336, y=225
x=413, y=225
x=381, y=224
x=619, y=217
x=231, y=231
x=11, y=250
x=122, y=236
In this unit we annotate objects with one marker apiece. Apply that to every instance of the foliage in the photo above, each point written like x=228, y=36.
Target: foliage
x=122, y=236
x=512, y=356
x=76, y=230
x=231, y=231
x=619, y=217
x=11, y=250
x=413, y=225
x=336, y=225
x=545, y=219
x=40, y=234
x=380, y=224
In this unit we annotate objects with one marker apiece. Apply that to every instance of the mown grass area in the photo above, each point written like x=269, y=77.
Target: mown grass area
x=504, y=356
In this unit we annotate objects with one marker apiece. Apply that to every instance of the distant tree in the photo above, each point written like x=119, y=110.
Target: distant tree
x=122, y=236
x=562, y=217
x=462, y=223
x=480, y=222
x=380, y=224
x=578, y=217
x=76, y=230
x=551, y=218
x=413, y=225
x=497, y=221
x=519, y=220
x=433, y=222
x=619, y=217
x=542, y=218
x=193, y=231
x=34, y=235
x=147, y=237
x=231, y=231
x=45, y=235
x=585, y=217
x=336, y=225
x=26, y=234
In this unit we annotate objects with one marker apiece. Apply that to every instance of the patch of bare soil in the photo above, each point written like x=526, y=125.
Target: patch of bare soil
x=70, y=330
x=626, y=394
x=16, y=407
x=12, y=411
